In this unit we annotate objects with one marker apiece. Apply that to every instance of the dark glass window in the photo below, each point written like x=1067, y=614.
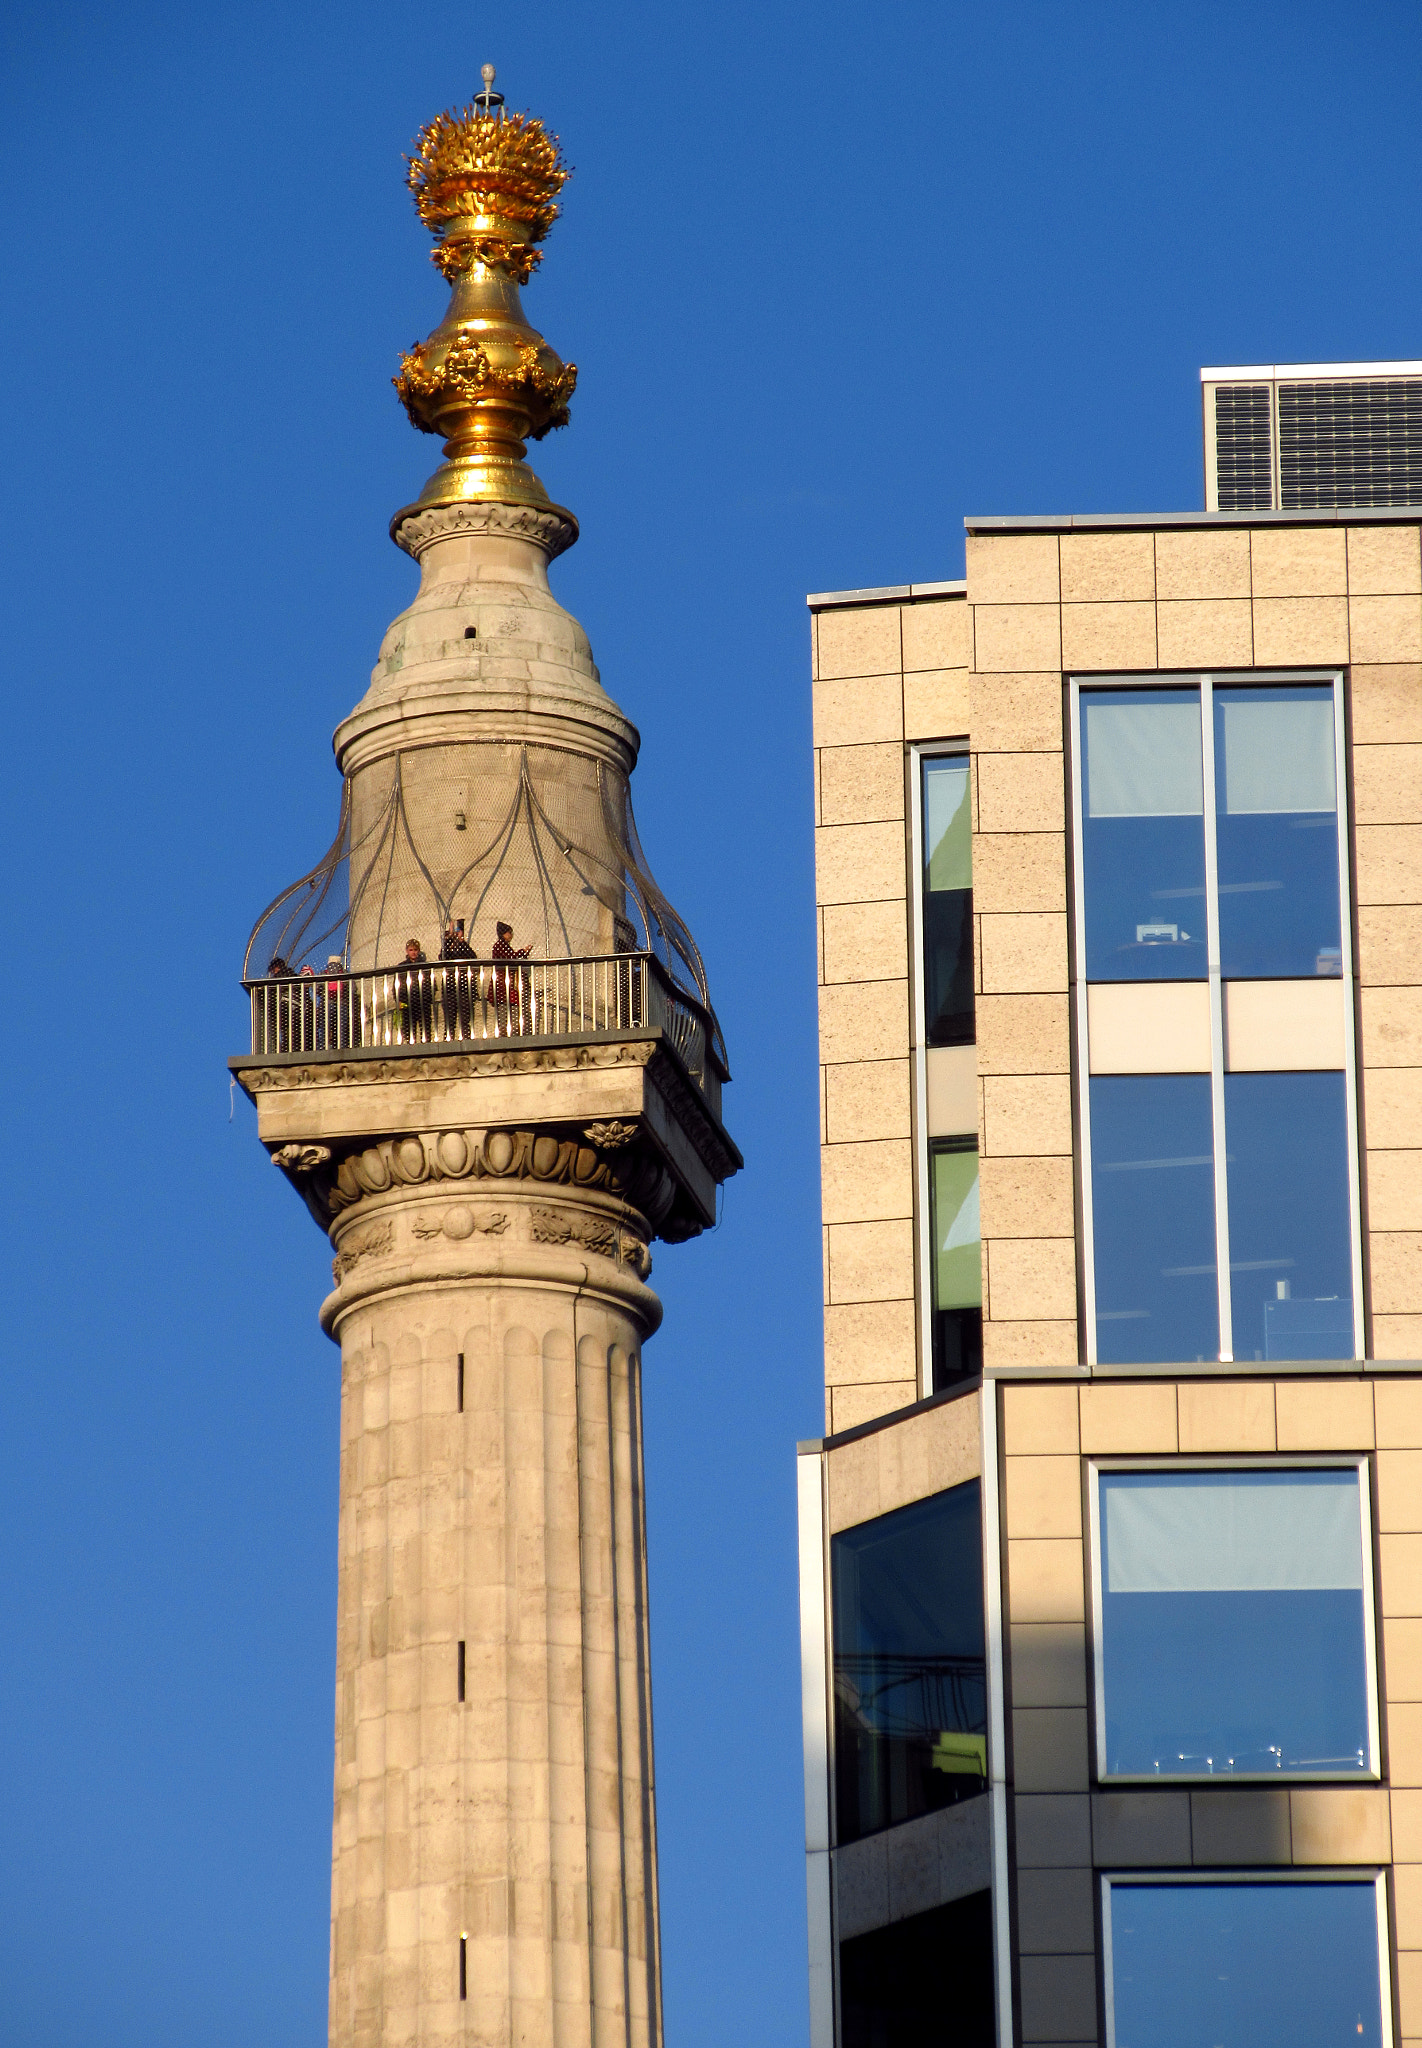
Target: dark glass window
x=1247, y=1965
x=1233, y=1632
x=957, y=1260
x=1153, y=1208
x=1143, y=804
x=910, y=1684
x=1276, y=803
x=923, y=1980
x=947, y=901
x=1290, y=1264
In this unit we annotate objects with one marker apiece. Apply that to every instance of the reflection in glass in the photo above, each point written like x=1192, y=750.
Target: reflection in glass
x=1290, y=1262
x=1247, y=1965
x=955, y=1221
x=921, y=1981
x=1153, y=1204
x=1233, y=1637
x=910, y=1699
x=1276, y=800
x=947, y=901
x=1143, y=823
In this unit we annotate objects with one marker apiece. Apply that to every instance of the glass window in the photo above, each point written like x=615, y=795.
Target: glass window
x=921, y=1981
x=910, y=1685
x=1276, y=801
x=1232, y=1628
x=947, y=901
x=1290, y=1263
x=1153, y=1217
x=1249, y=1964
x=957, y=1260
x=1143, y=821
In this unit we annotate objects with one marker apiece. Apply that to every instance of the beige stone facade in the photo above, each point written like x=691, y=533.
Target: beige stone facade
x=986, y=666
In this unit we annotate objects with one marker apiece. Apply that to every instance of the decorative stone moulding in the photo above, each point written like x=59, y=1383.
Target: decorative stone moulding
x=552, y=529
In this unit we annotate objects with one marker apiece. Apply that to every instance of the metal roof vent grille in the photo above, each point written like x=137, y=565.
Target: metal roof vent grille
x=1348, y=442
x=1243, y=455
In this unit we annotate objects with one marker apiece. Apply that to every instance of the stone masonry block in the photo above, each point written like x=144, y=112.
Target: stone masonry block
x=1128, y=1418
x=936, y=704
x=1016, y=714
x=1300, y=629
x=1404, y=1733
x=1400, y=1571
x=858, y=642
x=1388, y=943
x=1211, y=563
x=1026, y=1197
x=1340, y=1824
x=1044, y=1577
x=1393, y=1104
x=867, y=1182
x=1395, y=1190
x=1021, y=793
x=1387, y=784
x=1140, y=1830
x=1054, y=1830
x=1024, y=953
x=1048, y=1664
x=1298, y=561
x=1056, y=1912
x=1049, y=1749
x=1058, y=1998
x=1044, y=1496
x=1107, y=568
x=848, y=1407
x=1027, y=1034
x=1011, y=637
x=935, y=633
x=1396, y=1260
x=1012, y=568
x=861, y=785
x=866, y=941
x=1027, y=1113
x=1389, y=863
x=1030, y=1344
x=1405, y=1810
x=1386, y=703
x=866, y=1020
x=1226, y=1415
x=1039, y=1421
x=857, y=711
x=1397, y=1411
x=1397, y=1337
x=1015, y=871
x=860, y=863
x=1030, y=1278
x=871, y=1261
x=870, y=1341
x=1385, y=629
x=1108, y=636
x=1383, y=560
x=1324, y=1415
x=1238, y=1827
x=867, y=1099
x=1204, y=633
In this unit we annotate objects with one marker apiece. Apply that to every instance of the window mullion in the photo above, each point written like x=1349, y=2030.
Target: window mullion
x=1212, y=948
x=1350, y=1037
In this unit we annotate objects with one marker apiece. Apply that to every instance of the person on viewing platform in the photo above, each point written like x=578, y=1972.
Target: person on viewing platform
x=336, y=1020
x=276, y=1007
x=458, y=981
x=510, y=986
x=416, y=996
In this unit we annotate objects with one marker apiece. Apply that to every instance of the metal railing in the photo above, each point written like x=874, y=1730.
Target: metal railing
x=439, y=1004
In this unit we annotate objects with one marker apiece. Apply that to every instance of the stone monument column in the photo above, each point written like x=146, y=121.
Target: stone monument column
x=493, y=1127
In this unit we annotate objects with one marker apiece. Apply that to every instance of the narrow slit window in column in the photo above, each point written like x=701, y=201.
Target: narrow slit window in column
x=947, y=901
x=957, y=1260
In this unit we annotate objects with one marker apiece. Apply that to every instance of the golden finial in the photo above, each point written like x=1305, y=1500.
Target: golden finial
x=486, y=183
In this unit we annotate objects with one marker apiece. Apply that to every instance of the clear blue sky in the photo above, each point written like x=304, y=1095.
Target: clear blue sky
x=834, y=276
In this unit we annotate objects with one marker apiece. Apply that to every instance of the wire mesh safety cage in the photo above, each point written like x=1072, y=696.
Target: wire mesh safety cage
x=484, y=890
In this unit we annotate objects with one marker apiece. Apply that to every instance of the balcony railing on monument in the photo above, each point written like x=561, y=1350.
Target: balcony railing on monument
x=441, y=1005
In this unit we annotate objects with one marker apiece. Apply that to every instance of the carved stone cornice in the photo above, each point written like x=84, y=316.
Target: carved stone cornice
x=549, y=527
x=450, y=1066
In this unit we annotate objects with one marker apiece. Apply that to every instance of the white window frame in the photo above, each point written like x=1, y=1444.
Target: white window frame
x=1205, y=682
x=1301, y=1463
x=918, y=753
x=1279, y=1874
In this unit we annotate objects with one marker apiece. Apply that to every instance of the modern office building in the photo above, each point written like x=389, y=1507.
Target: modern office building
x=483, y=1052
x=1112, y=1553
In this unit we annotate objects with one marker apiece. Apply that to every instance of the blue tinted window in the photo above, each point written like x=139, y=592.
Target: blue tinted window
x=1153, y=1203
x=910, y=1683
x=1142, y=788
x=1276, y=802
x=1245, y=1965
x=1290, y=1262
x=1233, y=1634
